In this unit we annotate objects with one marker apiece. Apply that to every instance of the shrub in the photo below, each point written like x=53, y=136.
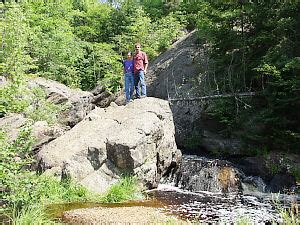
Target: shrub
x=25, y=193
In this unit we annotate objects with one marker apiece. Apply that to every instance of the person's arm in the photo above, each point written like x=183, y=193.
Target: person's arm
x=146, y=67
x=145, y=63
x=124, y=69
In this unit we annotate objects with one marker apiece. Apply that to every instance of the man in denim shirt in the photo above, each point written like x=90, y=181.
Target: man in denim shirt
x=140, y=69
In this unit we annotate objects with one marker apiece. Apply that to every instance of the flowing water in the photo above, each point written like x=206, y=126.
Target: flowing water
x=210, y=191
x=218, y=208
x=214, y=191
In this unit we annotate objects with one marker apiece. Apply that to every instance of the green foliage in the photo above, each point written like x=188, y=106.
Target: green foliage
x=44, y=190
x=101, y=66
x=16, y=179
x=54, y=47
x=14, y=59
x=92, y=21
x=155, y=36
x=78, y=42
x=223, y=110
x=296, y=172
x=11, y=98
x=34, y=214
x=259, y=151
x=21, y=99
x=23, y=204
x=244, y=220
x=289, y=215
x=254, y=47
x=125, y=189
x=15, y=155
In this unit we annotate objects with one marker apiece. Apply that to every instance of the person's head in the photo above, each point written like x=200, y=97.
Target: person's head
x=137, y=47
x=129, y=55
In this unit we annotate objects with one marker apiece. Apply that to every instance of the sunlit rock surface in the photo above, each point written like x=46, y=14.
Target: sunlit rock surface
x=78, y=103
x=137, y=139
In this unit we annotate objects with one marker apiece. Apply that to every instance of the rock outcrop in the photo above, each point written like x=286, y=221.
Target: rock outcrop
x=41, y=131
x=134, y=139
x=175, y=74
x=78, y=102
x=202, y=174
x=180, y=75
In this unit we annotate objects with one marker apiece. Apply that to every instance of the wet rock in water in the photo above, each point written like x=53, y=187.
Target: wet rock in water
x=275, y=169
x=202, y=174
x=255, y=166
x=216, y=208
x=282, y=182
x=137, y=138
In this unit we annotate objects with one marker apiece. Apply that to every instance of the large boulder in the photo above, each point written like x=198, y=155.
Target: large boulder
x=183, y=75
x=177, y=74
x=41, y=131
x=135, y=139
x=78, y=102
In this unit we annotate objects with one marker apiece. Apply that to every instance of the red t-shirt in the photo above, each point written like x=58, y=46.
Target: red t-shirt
x=140, y=59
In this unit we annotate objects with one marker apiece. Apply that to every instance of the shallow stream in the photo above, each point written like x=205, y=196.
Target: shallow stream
x=196, y=193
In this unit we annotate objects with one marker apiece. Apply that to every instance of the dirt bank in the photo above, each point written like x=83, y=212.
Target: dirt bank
x=119, y=215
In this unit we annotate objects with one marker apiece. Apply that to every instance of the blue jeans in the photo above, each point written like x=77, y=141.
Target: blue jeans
x=129, y=84
x=139, y=79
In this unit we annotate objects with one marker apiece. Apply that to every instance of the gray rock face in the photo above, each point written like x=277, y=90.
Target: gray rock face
x=137, y=139
x=42, y=132
x=11, y=123
x=79, y=102
x=3, y=81
x=102, y=97
x=180, y=75
x=176, y=74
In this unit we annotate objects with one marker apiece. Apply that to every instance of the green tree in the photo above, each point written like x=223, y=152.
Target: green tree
x=14, y=58
x=255, y=47
x=54, y=47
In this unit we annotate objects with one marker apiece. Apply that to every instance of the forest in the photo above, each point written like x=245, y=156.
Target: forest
x=254, y=46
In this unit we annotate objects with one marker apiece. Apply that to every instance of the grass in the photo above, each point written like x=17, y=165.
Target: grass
x=31, y=215
x=289, y=215
x=244, y=220
x=47, y=190
x=29, y=196
x=124, y=190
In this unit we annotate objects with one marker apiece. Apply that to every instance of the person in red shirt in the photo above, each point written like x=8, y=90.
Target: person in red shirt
x=140, y=60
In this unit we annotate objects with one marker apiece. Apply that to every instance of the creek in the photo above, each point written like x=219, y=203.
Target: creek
x=210, y=191
x=215, y=191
